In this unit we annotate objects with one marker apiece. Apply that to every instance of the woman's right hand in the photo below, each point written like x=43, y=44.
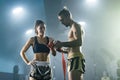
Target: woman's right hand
x=31, y=63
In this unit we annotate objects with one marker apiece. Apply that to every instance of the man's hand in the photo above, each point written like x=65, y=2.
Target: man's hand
x=58, y=45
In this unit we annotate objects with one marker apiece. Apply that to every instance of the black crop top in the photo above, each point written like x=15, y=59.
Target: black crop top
x=38, y=48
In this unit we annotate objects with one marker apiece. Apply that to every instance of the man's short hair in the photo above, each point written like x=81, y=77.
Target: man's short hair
x=65, y=12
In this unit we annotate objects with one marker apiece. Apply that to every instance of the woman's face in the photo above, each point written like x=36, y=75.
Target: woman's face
x=41, y=29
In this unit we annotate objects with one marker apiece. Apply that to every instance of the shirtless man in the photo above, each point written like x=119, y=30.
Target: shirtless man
x=76, y=62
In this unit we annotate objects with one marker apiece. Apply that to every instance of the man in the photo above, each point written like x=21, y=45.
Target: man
x=76, y=62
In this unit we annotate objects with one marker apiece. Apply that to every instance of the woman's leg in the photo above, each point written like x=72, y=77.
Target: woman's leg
x=30, y=78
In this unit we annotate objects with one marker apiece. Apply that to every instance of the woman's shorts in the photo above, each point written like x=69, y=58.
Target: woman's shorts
x=40, y=71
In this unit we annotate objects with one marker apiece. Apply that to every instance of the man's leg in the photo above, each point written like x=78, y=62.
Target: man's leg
x=75, y=75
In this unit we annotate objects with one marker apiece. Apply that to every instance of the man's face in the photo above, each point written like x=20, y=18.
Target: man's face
x=63, y=20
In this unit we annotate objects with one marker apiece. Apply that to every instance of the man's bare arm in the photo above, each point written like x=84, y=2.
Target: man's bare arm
x=73, y=43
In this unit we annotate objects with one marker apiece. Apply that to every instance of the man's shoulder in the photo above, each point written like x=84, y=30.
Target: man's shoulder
x=75, y=25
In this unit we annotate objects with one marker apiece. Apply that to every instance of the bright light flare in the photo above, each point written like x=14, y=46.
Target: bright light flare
x=18, y=10
x=91, y=2
x=82, y=23
x=29, y=32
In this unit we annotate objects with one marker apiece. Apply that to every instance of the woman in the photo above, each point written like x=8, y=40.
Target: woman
x=40, y=69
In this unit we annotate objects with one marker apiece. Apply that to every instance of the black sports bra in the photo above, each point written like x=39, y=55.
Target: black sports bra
x=38, y=48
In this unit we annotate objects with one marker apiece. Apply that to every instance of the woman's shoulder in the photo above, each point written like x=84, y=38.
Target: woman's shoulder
x=32, y=38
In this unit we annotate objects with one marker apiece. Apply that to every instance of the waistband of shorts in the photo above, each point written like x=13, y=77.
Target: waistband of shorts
x=41, y=63
x=77, y=54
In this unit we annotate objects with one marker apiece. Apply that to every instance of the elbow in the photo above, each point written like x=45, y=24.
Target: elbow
x=21, y=53
x=54, y=54
x=80, y=44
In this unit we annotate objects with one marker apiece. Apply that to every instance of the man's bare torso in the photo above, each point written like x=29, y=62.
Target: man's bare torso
x=72, y=36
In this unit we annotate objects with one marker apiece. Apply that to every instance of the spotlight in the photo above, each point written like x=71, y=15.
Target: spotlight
x=17, y=11
x=29, y=32
x=91, y=2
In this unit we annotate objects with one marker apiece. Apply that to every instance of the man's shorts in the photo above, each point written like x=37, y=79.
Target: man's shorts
x=76, y=63
x=40, y=71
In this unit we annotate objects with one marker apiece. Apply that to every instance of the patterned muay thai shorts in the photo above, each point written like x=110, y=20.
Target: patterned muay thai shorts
x=76, y=63
x=41, y=71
